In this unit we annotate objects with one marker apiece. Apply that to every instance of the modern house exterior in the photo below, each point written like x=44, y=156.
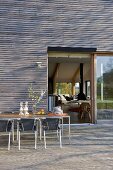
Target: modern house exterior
x=68, y=34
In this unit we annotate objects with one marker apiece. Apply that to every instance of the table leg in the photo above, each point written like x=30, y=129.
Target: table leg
x=62, y=125
x=69, y=129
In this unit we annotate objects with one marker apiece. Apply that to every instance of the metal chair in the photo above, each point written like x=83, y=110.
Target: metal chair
x=6, y=128
x=27, y=126
x=51, y=125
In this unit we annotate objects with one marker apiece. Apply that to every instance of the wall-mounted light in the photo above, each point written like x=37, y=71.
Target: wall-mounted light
x=39, y=64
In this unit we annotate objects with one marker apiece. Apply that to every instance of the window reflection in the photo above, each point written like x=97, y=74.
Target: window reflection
x=104, y=83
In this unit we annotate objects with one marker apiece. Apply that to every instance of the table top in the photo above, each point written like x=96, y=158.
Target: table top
x=31, y=115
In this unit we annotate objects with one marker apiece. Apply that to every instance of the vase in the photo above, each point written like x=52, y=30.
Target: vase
x=26, y=108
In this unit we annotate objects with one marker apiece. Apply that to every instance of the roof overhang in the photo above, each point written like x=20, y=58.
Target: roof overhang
x=72, y=49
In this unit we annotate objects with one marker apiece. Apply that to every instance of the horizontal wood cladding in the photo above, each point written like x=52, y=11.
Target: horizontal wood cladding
x=16, y=75
x=19, y=54
x=20, y=50
x=28, y=27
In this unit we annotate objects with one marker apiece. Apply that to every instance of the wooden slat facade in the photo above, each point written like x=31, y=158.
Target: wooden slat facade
x=28, y=27
x=20, y=50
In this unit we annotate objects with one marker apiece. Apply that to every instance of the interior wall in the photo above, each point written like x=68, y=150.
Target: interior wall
x=86, y=71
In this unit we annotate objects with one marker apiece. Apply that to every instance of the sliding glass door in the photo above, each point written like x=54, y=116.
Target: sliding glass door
x=104, y=78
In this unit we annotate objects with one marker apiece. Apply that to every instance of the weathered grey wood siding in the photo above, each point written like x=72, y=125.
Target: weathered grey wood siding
x=20, y=49
x=28, y=27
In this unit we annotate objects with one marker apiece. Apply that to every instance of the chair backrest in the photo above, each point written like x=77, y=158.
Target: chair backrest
x=50, y=124
x=26, y=124
x=85, y=107
x=5, y=125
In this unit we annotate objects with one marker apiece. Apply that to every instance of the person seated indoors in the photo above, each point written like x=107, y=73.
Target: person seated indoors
x=57, y=109
x=81, y=96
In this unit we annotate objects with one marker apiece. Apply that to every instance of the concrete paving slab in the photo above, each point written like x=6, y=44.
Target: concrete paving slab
x=91, y=148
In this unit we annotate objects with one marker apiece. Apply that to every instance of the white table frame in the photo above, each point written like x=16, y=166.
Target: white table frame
x=18, y=117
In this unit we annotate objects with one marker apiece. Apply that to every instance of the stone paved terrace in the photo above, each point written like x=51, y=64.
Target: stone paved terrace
x=91, y=148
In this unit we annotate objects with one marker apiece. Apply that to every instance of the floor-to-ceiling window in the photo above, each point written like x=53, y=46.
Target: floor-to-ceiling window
x=87, y=89
x=104, y=77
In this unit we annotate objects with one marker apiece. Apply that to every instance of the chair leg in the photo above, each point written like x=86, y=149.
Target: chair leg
x=13, y=130
x=19, y=140
x=35, y=139
x=39, y=129
x=57, y=134
x=9, y=141
x=89, y=116
x=82, y=114
x=44, y=139
x=60, y=139
x=17, y=132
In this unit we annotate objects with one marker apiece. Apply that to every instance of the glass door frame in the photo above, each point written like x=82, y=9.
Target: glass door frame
x=94, y=83
x=93, y=89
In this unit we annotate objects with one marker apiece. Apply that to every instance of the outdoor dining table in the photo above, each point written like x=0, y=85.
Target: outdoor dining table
x=39, y=117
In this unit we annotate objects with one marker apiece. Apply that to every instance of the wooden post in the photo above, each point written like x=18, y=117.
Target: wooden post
x=81, y=77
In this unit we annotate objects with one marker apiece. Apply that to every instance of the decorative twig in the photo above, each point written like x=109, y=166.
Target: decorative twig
x=34, y=96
